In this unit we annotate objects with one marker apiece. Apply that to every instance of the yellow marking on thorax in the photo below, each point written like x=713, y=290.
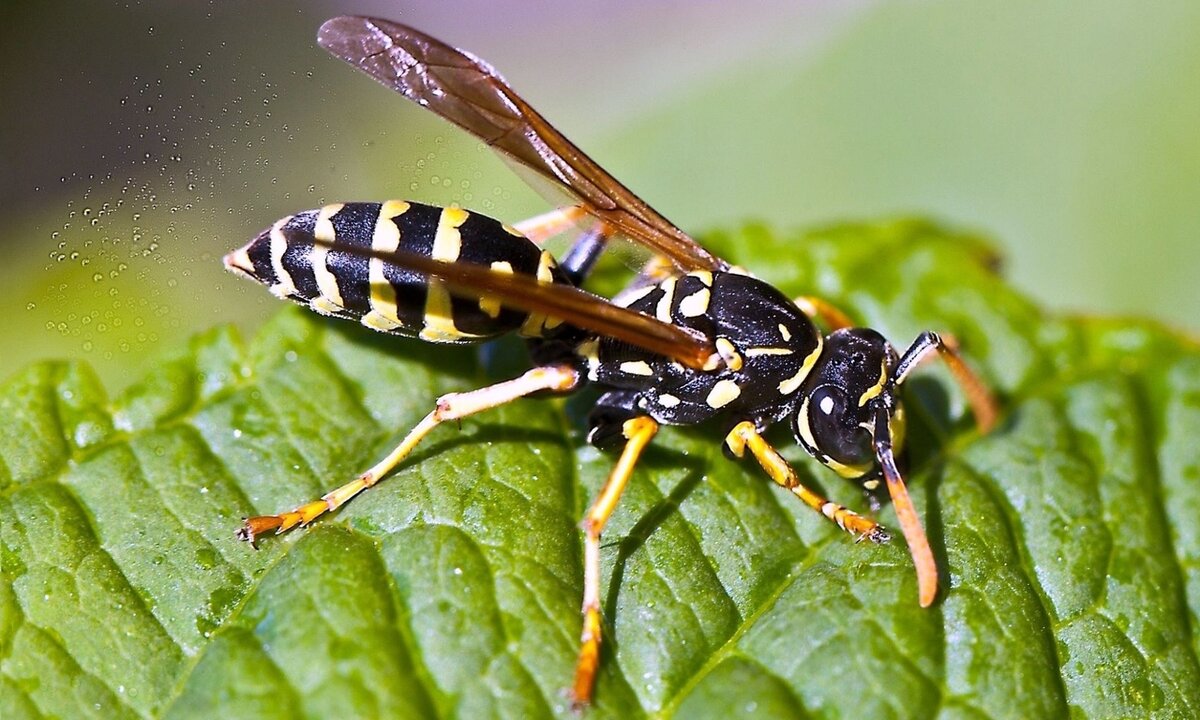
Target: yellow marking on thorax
x=386, y=238
x=284, y=285
x=792, y=384
x=783, y=331
x=627, y=298
x=667, y=400
x=755, y=352
x=696, y=304
x=663, y=311
x=875, y=389
x=637, y=367
x=723, y=393
x=704, y=276
x=489, y=304
x=330, y=300
x=729, y=354
x=589, y=350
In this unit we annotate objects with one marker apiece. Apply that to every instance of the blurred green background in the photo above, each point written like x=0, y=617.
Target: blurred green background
x=141, y=141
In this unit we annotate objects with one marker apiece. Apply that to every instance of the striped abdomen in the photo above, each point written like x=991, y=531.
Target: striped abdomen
x=382, y=295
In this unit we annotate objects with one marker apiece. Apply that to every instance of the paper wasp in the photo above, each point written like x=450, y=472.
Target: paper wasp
x=692, y=340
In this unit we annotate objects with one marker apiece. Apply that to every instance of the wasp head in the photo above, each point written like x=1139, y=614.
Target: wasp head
x=849, y=404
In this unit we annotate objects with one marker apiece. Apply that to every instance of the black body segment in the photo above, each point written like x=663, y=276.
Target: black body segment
x=388, y=297
x=766, y=344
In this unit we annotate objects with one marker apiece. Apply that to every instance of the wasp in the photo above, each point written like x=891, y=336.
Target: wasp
x=692, y=340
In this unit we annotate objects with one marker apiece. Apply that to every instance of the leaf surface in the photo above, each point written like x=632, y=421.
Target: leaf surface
x=1068, y=538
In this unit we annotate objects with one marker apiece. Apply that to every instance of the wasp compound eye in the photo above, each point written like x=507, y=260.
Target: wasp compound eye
x=834, y=429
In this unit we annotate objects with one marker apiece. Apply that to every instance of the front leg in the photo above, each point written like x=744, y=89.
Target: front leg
x=745, y=436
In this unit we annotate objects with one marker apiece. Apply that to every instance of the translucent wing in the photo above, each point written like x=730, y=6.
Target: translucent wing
x=574, y=306
x=469, y=93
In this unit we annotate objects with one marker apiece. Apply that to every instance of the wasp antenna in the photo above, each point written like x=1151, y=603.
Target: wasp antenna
x=906, y=514
x=983, y=404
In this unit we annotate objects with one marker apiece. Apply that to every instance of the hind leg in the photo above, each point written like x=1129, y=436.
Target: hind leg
x=555, y=378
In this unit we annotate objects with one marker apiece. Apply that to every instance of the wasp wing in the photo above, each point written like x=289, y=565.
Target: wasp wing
x=469, y=93
x=574, y=306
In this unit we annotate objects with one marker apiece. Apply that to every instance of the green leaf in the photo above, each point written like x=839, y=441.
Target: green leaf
x=1068, y=537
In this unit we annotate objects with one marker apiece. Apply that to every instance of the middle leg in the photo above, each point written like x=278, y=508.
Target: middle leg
x=638, y=432
x=829, y=314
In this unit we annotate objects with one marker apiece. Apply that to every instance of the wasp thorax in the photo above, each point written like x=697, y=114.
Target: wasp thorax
x=849, y=385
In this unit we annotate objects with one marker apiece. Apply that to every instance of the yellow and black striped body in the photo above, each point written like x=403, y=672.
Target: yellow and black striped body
x=380, y=294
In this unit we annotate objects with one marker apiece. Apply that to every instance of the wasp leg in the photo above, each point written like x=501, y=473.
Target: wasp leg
x=638, y=432
x=541, y=228
x=829, y=314
x=585, y=251
x=744, y=435
x=555, y=378
x=983, y=405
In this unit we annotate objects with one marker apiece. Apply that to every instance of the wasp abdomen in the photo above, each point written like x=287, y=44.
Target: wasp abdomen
x=383, y=295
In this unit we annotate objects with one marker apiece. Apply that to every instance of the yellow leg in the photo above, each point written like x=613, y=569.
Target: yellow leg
x=449, y=407
x=829, y=315
x=744, y=435
x=638, y=432
x=542, y=227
